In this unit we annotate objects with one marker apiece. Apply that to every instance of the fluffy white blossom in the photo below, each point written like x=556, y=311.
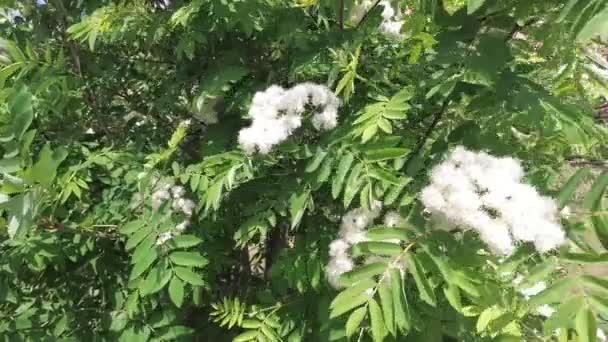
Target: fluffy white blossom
x=163, y=238
x=393, y=219
x=477, y=191
x=352, y=231
x=391, y=21
x=277, y=112
x=166, y=192
x=534, y=290
x=545, y=310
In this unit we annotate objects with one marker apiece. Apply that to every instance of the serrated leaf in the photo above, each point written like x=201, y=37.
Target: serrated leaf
x=386, y=302
x=183, y=241
x=586, y=325
x=424, y=287
x=188, y=276
x=385, y=153
x=144, y=264
x=343, y=167
x=597, y=27
x=316, y=161
x=539, y=272
x=194, y=259
x=402, y=316
x=376, y=248
x=353, y=182
x=487, y=316
x=378, y=326
x=156, y=280
x=131, y=227
x=45, y=169
x=20, y=107
x=354, y=321
x=592, y=200
x=383, y=175
x=369, y=132
x=474, y=5
x=348, y=294
x=384, y=233
x=138, y=237
x=385, y=125
x=363, y=272
x=571, y=185
x=246, y=336
x=297, y=206
x=554, y=293
x=563, y=315
x=176, y=292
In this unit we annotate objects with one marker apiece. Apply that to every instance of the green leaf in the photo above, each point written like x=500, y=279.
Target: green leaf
x=553, y=294
x=597, y=27
x=188, y=276
x=452, y=294
x=379, y=234
x=138, y=237
x=346, y=306
x=194, y=259
x=474, y=5
x=21, y=209
x=571, y=185
x=45, y=169
x=349, y=293
x=539, y=272
x=297, y=206
x=385, y=125
x=353, y=182
x=386, y=153
x=144, y=264
x=343, y=167
x=564, y=314
x=402, y=316
x=246, y=336
x=422, y=283
x=383, y=175
x=176, y=291
x=363, y=272
x=376, y=248
x=20, y=107
x=487, y=316
x=386, y=301
x=592, y=200
x=131, y=227
x=183, y=241
x=316, y=161
x=156, y=280
x=10, y=165
x=586, y=325
x=354, y=321
x=369, y=132
x=377, y=322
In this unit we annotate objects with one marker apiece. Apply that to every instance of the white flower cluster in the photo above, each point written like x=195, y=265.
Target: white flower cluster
x=175, y=194
x=391, y=21
x=277, y=112
x=352, y=231
x=484, y=193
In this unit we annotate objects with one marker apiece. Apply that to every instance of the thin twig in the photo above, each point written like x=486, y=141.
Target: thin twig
x=367, y=14
x=428, y=131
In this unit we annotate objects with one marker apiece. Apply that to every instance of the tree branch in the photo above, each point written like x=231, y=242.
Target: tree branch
x=367, y=14
x=428, y=131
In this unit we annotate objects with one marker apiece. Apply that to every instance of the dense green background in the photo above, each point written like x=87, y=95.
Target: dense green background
x=94, y=101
